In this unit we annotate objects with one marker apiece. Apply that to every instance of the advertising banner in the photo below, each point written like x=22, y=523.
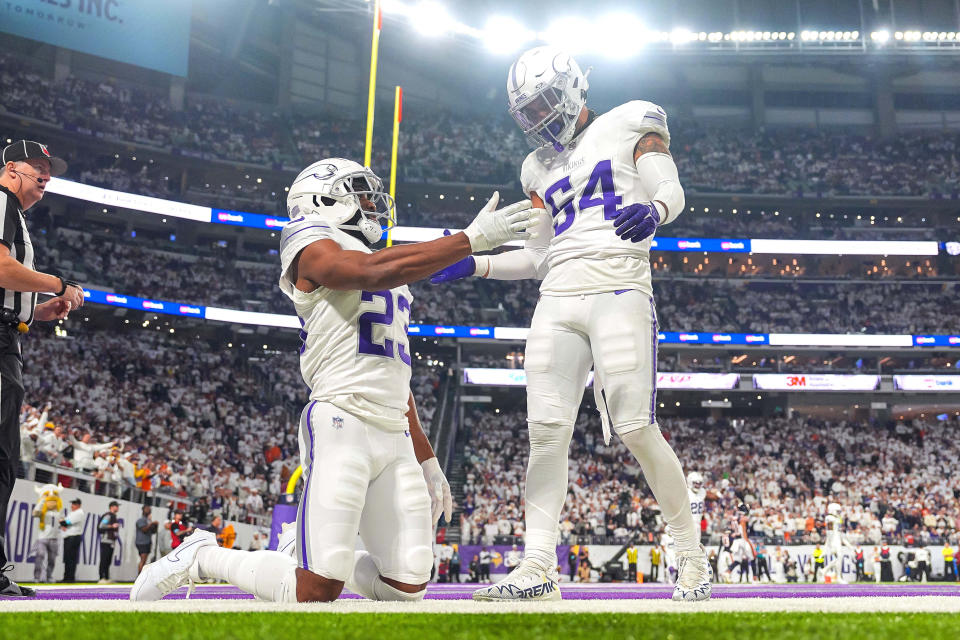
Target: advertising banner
x=815, y=382
x=927, y=383
x=155, y=35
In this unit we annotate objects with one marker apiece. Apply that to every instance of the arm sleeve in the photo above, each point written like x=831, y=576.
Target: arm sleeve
x=659, y=177
x=10, y=219
x=528, y=262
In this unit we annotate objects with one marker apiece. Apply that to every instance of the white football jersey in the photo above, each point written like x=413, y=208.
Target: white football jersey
x=582, y=187
x=834, y=537
x=355, y=352
x=698, y=501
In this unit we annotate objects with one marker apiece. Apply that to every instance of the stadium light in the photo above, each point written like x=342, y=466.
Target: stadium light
x=431, y=19
x=880, y=36
x=503, y=35
x=618, y=35
x=682, y=36
x=572, y=34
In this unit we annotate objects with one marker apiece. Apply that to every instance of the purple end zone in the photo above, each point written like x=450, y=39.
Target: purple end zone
x=614, y=591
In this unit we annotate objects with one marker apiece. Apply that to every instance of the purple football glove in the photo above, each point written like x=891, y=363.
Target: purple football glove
x=462, y=269
x=457, y=271
x=637, y=222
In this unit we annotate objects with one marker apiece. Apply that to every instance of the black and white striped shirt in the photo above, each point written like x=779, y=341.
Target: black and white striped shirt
x=13, y=233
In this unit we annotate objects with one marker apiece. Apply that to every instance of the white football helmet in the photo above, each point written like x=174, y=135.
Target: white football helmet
x=834, y=509
x=332, y=189
x=546, y=92
x=695, y=480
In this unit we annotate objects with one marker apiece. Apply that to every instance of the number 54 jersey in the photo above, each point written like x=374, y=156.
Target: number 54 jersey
x=582, y=187
x=354, y=353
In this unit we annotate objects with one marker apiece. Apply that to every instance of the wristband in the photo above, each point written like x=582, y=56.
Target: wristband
x=66, y=283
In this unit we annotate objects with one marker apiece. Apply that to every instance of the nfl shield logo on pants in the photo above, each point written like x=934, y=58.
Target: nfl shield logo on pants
x=337, y=423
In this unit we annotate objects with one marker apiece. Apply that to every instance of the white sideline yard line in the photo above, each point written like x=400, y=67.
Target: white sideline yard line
x=890, y=604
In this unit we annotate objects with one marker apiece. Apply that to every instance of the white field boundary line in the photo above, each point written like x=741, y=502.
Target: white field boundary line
x=891, y=604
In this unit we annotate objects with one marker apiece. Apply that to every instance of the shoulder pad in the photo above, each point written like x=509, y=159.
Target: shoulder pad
x=643, y=117
x=297, y=234
x=530, y=172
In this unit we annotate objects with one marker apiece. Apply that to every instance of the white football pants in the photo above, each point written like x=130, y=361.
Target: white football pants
x=359, y=478
x=616, y=333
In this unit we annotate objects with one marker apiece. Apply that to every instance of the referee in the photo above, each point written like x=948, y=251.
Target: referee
x=25, y=171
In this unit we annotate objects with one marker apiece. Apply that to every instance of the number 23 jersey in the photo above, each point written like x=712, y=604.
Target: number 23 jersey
x=355, y=353
x=582, y=187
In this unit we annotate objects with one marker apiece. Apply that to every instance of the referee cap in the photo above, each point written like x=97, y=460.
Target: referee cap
x=28, y=149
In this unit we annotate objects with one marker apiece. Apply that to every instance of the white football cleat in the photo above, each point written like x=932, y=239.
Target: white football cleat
x=529, y=581
x=287, y=540
x=693, y=576
x=172, y=571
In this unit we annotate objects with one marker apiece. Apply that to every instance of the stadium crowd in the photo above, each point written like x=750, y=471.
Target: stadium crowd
x=139, y=409
x=687, y=304
x=438, y=147
x=893, y=480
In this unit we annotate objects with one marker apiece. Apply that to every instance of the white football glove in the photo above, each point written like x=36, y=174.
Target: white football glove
x=492, y=228
x=441, y=500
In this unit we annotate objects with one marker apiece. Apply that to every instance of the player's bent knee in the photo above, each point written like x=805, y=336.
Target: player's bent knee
x=637, y=429
x=337, y=563
x=544, y=436
x=316, y=588
x=420, y=561
x=388, y=590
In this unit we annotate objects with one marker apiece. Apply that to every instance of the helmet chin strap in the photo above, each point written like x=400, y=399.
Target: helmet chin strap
x=370, y=229
x=363, y=228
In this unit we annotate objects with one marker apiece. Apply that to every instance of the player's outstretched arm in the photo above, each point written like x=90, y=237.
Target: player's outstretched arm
x=325, y=263
x=511, y=265
x=441, y=498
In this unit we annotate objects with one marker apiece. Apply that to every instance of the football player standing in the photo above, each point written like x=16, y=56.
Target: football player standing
x=368, y=466
x=608, y=182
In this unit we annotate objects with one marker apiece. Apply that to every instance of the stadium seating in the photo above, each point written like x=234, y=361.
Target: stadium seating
x=892, y=479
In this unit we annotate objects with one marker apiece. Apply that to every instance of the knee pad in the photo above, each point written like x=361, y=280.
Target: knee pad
x=335, y=563
x=548, y=434
x=420, y=562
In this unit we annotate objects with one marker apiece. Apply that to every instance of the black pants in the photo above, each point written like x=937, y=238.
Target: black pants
x=948, y=571
x=11, y=397
x=632, y=571
x=106, y=557
x=71, y=557
x=762, y=568
x=484, y=572
x=654, y=572
x=454, y=572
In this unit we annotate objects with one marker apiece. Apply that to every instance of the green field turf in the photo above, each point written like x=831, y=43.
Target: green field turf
x=317, y=626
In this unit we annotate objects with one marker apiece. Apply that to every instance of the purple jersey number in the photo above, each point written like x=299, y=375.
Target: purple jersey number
x=403, y=305
x=366, y=343
x=567, y=208
x=602, y=177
